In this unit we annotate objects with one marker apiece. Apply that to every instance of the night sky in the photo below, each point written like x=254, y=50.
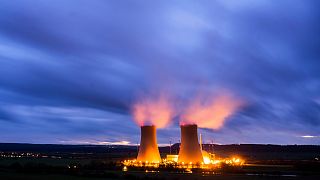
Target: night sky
x=70, y=71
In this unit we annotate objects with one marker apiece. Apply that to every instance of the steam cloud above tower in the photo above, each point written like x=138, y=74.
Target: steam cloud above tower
x=211, y=111
x=151, y=110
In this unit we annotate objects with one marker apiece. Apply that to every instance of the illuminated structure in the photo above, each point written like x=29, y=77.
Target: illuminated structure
x=172, y=157
x=190, y=156
x=148, y=150
x=190, y=149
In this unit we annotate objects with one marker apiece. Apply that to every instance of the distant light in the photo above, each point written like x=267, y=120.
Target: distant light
x=125, y=168
x=309, y=136
x=113, y=143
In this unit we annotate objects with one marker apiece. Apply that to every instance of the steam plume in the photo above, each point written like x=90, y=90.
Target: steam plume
x=210, y=112
x=153, y=111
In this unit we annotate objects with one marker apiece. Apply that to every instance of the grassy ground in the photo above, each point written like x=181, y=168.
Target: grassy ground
x=145, y=176
x=22, y=176
x=50, y=169
x=49, y=161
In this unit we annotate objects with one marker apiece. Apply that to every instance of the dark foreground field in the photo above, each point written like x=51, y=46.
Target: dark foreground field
x=159, y=176
x=27, y=161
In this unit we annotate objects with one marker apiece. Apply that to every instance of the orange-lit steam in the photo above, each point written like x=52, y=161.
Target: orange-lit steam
x=210, y=113
x=153, y=111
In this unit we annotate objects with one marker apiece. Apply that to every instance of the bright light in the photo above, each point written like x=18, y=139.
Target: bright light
x=208, y=163
x=206, y=160
x=308, y=136
x=125, y=168
x=216, y=162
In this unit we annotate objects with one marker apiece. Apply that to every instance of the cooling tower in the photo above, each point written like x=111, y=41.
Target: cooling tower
x=189, y=148
x=148, y=150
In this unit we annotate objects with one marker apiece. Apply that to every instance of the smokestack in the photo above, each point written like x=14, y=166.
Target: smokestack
x=190, y=148
x=148, y=150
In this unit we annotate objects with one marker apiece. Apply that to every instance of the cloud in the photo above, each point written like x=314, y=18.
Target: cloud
x=5, y=116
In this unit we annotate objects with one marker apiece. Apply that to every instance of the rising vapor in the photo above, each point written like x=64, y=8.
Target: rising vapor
x=210, y=112
x=153, y=111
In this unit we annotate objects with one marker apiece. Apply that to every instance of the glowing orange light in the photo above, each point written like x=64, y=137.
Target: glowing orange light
x=153, y=111
x=212, y=112
x=206, y=160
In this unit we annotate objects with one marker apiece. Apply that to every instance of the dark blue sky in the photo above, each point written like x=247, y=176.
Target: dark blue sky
x=71, y=70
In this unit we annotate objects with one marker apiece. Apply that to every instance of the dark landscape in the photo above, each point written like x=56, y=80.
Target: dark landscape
x=38, y=161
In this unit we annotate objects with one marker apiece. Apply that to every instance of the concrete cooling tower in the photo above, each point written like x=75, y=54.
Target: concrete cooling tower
x=190, y=148
x=148, y=150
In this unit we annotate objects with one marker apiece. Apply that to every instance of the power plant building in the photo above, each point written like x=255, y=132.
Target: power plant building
x=190, y=150
x=148, y=150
